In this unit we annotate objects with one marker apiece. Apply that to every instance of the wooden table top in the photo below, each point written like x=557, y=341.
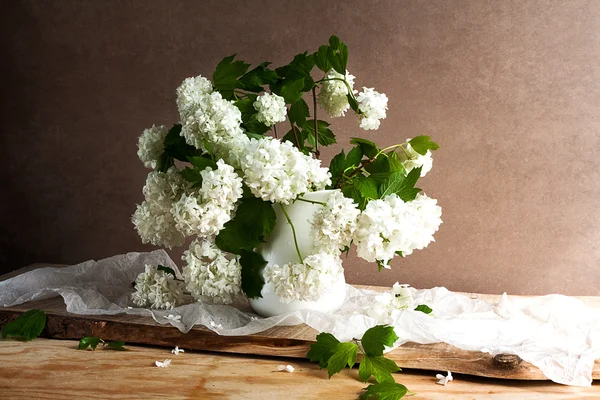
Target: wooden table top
x=54, y=369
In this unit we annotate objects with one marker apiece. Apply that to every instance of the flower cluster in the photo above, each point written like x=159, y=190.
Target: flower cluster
x=153, y=219
x=150, y=145
x=387, y=306
x=307, y=281
x=211, y=274
x=373, y=107
x=204, y=212
x=157, y=289
x=334, y=224
x=277, y=171
x=389, y=226
x=190, y=94
x=271, y=109
x=333, y=96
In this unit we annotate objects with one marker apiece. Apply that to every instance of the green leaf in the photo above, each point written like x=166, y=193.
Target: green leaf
x=166, y=270
x=254, y=80
x=201, y=163
x=176, y=147
x=299, y=112
x=343, y=354
x=227, y=73
x=369, y=148
x=252, y=278
x=253, y=222
x=28, y=325
x=384, y=391
x=424, y=308
x=366, y=186
x=376, y=338
x=421, y=144
x=89, y=342
x=379, y=367
x=353, y=103
x=353, y=193
x=334, y=42
x=326, y=136
x=116, y=345
x=252, y=125
x=292, y=91
x=321, y=59
x=246, y=105
x=192, y=175
x=323, y=349
x=402, y=185
x=341, y=162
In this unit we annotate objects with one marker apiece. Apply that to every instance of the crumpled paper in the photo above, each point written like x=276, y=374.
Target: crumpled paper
x=558, y=334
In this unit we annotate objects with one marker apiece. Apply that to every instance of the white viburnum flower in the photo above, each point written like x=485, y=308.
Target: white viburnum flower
x=271, y=109
x=211, y=274
x=222, y=185
x=411, y=159
x=333, y=94
x=443, y=380
x=387, y=306
x=157, y=289
x=177, y=350
x=163, y=364
x=307, y=281
x=389, y=225
x=190, y=94
x=215, y=120
x=276, y=171
x=151, y=145
x=334, y=223
x=373, y=106
x=153, y=219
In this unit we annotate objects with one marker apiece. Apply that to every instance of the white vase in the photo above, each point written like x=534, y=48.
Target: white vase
x=280, y=249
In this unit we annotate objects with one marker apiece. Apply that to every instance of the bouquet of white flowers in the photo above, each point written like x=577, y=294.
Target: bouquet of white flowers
x=220, y=172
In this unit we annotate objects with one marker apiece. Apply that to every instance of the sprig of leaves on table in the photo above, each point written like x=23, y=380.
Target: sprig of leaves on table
x=28, y=325
x=334, y=355
x=91, y=342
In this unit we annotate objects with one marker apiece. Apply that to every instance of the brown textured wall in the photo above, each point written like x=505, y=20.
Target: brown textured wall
x=510, y=89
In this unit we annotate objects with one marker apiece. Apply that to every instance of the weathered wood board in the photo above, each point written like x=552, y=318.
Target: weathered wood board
x=290, y=341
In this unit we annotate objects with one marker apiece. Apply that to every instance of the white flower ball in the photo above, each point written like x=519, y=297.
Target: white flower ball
x=190, y=94
x=373, y=106
x=151, y=145
x=271, y=109
x=333, y=94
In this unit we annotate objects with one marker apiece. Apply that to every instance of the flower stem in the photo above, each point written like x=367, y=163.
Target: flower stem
x=311, y=201
x=293, y=231
x=317, y=152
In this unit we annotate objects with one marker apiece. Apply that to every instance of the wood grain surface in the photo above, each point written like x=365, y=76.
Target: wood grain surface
x=281, y=341
x=53, y=369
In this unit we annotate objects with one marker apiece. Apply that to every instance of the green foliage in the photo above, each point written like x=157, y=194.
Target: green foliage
x=375, y=339
x=421, y=144
x=175, y=148
x=28, y=325
x=299, y=112
x=92, y=342
x=291, y=91
x=326, y=136
x=225, y=77
x=256, y=79
x=253, y=223
x=341, y=163
x=379, y=367
x=384, y=391
x=424, y=308
x=401, y=185
x=89, y=342
x=369, y=148
x=322, y=58
x=166, y=270
x=202, y=162
x=252, y=279
x=322, y=350
x=343, y=354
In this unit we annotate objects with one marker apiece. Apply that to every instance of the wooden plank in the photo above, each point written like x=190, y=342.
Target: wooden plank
x=52, y=369
x=288, y=341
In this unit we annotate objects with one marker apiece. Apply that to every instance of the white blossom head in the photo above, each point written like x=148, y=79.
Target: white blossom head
x=151, y=145
x=157, y=289
x=334, y=224
x=333, y=96
x=373, y=107
x=271, y=109
x=411, y=159
x=190, y=95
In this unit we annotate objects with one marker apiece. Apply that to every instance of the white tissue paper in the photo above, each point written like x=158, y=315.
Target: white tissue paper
x=558, y=334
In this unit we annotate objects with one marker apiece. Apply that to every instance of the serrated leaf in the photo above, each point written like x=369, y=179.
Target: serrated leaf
x=334, y=42
x=368, y=147
x=255, y=79
x=326, y=136
x=226, y=75
x=28, y=325
x=341, y=162
x=292, y=91
x=252, y=265
x=422, y=143
x=246, y=105
x=424, y=308
x=321, y=59
x=175, y=147
x=402, y=185
x=353, y=193
x=116, y=345
x=89, y=342
x=299, y=112
x=191, y=175
x=166, y=270
x=323, y=349
x=366, y=186
x=379, y=367
x=384, y=391
x=343, y=354
x=376, y=338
